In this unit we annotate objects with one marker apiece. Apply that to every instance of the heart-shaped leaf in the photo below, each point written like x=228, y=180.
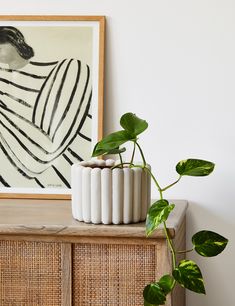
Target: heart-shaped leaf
x=166, y=282
x=195, y=167
x=188, y=275
x=208, y=243
x=132, y=124
x=111, y=142
x=158, y=213
x=154, y=295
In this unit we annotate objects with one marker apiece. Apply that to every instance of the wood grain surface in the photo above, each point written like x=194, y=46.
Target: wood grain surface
x=54, y=217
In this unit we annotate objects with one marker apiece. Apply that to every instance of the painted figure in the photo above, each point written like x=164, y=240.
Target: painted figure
x=44, y=108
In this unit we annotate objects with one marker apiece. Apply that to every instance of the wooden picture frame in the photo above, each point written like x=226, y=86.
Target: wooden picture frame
x=51, y=101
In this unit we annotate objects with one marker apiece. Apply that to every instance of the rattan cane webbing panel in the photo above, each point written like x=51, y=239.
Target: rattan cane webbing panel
x=30, y=273
x=105, y=275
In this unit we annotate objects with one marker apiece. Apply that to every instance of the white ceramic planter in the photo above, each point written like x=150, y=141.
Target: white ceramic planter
x=109, y=196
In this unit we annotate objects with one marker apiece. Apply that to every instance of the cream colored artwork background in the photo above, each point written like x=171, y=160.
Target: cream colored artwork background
x=52, y=43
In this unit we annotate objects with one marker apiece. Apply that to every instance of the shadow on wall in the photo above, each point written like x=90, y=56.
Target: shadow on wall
x=218, y=272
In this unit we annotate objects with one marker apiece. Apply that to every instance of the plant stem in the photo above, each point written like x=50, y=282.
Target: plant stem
x=169, y=240
x=120, y=156
x=169, y=186
x=121, y=164
x=133, y=153
x=141, y=152
x=184, y=251
x=148, y=170
x=170, y=246
x=155, y=181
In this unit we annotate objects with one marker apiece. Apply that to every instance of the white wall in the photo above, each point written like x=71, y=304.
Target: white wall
x=173, y=63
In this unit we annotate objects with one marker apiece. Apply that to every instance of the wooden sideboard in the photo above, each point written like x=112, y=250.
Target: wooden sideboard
x=49, y=259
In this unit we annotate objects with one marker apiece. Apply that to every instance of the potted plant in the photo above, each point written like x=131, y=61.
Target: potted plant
x=206, y=243
x=109, y=192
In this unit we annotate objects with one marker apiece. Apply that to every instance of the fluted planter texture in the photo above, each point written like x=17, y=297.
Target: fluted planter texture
x=109, y=196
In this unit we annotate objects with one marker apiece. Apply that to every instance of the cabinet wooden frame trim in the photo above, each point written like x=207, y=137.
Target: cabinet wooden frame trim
x=66, y=274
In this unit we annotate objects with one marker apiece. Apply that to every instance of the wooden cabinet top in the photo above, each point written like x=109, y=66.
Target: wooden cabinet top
x=54, y=217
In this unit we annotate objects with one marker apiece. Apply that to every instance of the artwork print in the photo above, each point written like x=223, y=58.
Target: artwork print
x=48, y=112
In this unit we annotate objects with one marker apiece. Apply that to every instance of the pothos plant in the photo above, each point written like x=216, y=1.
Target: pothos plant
x=206, y=243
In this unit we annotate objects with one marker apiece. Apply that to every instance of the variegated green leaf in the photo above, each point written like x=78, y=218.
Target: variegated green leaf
x=195, y=167
x=158, y=213
x=154, y=295
x=188, y=275
x=166, y=282
x=208, y=243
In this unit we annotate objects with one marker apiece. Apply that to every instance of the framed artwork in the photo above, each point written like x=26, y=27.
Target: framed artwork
x=51, y=101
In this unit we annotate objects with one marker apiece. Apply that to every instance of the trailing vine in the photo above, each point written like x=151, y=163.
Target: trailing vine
x=206, y=243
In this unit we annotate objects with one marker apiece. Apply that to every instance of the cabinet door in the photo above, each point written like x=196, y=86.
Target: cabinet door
x=112, y=274
x=30, y=273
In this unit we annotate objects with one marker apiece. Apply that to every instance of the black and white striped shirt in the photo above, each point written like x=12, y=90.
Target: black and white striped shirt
x=45, y=122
